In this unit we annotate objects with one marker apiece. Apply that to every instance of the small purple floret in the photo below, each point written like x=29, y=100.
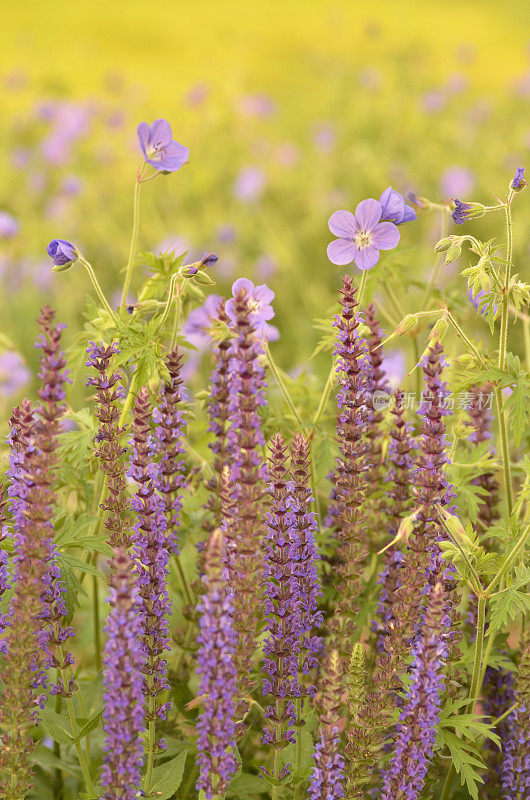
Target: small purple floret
x=61, y=252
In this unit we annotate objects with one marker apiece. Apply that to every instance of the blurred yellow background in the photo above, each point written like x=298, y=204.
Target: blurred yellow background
x=273, y=44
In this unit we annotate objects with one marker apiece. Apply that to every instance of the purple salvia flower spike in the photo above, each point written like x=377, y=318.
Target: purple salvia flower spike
x=282, y=606
x=216, y=666
x=328, y=779
x=247, y=385
x=4, y=562
x=31, y=474
x=515, y=773
x=219, y=414
x=480, y=416
x=151, y=555
x=110, y=451
x=123, y=682
x=306, y=526
x=497, y=697
x=169, y=432
x=53, y=375
x=416, y=729
x=351, y=469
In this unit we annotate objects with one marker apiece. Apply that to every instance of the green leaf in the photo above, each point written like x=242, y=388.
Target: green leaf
x=464, y=757
x=57, y=726
x=167, y=778
x=246, y=786
x=89, y=724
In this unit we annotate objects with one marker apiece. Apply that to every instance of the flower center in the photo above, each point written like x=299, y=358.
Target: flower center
x=363, y=239
x=254, y=305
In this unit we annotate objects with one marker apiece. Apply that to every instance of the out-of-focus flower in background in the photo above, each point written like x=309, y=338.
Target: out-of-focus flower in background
x=9, y=226
x=250, y=184
x=14, y=374
x=457, y=182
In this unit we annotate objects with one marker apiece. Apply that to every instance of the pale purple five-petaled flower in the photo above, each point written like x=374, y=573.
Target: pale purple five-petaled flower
x=61, y=252
x=159, y=149
x=361, y=235
x=261, y=311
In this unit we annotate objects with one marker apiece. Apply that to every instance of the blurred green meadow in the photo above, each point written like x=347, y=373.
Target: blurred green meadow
x=291, y=110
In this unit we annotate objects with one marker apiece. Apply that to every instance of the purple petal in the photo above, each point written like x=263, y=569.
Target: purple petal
x=368, y=213
x=367, y=257
x=409, y=215
x=143, y=137
x=385, y=236
x=342, y=251
x=393, y=205
x=160, y=133
x=264, y=294
x=242, y=284
x=343, y=224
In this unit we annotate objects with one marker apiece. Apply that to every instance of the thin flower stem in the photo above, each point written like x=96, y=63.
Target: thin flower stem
x=508, y=561
x=150, y=746
x=95, y=611
x=176, y=321
x=134, y=237
x=77, y=743
x=185, y=587
x=99, y=290
x=168, y=305
x=281, y=383
x=438, y=260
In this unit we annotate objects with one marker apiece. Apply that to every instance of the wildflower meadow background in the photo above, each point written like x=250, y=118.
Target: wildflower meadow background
x=264, y=399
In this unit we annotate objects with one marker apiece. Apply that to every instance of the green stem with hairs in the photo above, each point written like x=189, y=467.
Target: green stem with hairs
x=134, y=237
x=281, y=383
x=99, y=290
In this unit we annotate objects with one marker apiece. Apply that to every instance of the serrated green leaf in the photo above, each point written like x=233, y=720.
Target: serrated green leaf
x=167, y=777
x=57, y=726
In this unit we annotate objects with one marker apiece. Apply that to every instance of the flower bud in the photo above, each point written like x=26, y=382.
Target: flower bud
x=63, y=254
x=518, y=181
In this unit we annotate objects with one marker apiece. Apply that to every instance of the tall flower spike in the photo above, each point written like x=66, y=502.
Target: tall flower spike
x=416, y=730
x=4, y=563
x=109, y=390
x=247, y=384
x=327, y=779
x=31, y=488
x=351, y=470
x=151, y=556
x=400, y=452
x=219, y=413
x=305, y=525
x=124, y=662
x=480, y=415
x=377, y=388
x=282, y=607
x=497, y=697
x=217, y=672
x=515, y=775
x=53, y=375
x=169, y=431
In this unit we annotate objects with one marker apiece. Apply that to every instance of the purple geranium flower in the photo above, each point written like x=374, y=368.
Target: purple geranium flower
x=518, y=181
x=159, y=149
x=62, y=252
x=362, y=236
x=394, y=208
x=259, y=299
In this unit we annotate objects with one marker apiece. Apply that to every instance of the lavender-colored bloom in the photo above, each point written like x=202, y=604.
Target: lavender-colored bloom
x=461, y=212
x=497, y=697
x=515, y=774
x=200, y=321
x=457, y=182
x=61, y=252
x=259, y=300
x=217, y=642
x=250, y=184
x=282, y=605
x=394, y=366
x=394, y=208
x=257, y=105
x=151, y=553
x=328, y=778
x=9, y=226
x=518, y=181
x=14, y=374
x=123, y=681
x=159, y=149
x=416, y=730
x=266, y=267
x=324, y=137
x=169, y=434
x=361, y=236
x=305, y=554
